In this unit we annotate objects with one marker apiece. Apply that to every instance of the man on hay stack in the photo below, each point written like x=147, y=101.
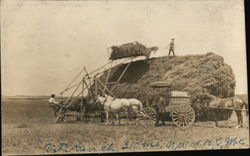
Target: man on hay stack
x=171, y=47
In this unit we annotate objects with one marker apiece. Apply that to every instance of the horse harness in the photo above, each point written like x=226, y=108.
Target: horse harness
x=131, y=105
x=105, y=100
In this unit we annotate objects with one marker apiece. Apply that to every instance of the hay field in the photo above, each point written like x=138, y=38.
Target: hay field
x=28, y=128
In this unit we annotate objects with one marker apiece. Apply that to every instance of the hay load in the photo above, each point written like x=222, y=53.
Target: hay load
x=130, y=50
x=191, y=73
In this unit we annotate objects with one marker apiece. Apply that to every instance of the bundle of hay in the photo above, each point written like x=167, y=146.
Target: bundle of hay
x=130, y=50
x=191, y=73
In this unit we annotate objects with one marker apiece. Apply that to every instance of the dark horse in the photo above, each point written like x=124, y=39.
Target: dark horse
x=88, y=106
x=214, y=104
x=92, y=107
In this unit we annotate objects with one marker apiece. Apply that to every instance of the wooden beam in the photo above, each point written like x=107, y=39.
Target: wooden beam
x=87, y=73
x=95, y=86
x=107, y=78
x=105, y=88
x=103, y=91
x=121, y=75
x=90, y=89
x=72, y=87
x=227, y=108
x=110, y=83
x=72, y=81
x=82, y=95
x=69, y=104
x=72, y=93
x=101, y=67
x=87, y=87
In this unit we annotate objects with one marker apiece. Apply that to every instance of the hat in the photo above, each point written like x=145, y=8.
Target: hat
x=172, y=39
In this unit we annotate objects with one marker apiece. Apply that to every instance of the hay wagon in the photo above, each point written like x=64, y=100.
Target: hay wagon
x=177, y=105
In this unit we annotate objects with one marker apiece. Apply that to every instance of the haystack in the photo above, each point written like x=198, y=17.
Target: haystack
x=190, y=73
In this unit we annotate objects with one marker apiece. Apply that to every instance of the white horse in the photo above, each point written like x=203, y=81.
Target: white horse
x=117, y=105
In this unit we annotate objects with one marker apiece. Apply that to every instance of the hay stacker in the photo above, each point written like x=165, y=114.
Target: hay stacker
x=90, y=83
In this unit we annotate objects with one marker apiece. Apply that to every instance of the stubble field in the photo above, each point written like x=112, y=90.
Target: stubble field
x=28, y=128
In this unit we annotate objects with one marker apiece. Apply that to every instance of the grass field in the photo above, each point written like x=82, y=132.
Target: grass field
x=28, y=128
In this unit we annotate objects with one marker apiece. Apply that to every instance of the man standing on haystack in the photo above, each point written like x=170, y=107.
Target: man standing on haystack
x=171, y=47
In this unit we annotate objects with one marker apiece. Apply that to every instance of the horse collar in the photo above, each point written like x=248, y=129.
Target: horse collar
x=105, y=100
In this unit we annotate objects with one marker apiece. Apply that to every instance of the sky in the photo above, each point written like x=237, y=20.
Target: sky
x=44, y=44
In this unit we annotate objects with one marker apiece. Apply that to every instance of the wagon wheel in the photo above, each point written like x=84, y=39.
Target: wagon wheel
x=147, y=117
x=183, y=116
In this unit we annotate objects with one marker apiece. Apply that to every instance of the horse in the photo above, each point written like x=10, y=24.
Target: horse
x=72, y=105
x=92, y=107
x=245, y=101
x=75, y=105
x=112, y=105
x=233, y=103
x=133, y=104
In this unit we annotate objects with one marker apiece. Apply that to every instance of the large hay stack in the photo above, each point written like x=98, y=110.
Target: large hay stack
x=191, y=73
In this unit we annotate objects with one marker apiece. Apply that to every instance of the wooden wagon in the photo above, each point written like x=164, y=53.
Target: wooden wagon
x=178, y=105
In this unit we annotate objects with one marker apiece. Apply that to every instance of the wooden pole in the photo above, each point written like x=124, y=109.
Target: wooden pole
x=101, y=67
x=82, y=95
x=103, y=91
x=227, y=108
x=105, y=88
x=87, y=73
x=107, y=78
x=109, y=56
x=88, y=88
x=69, y=104
x=98, y=73
x=72, y=86
x=88, y=79
x=96, y=90
x=121, y=75
x=72, y=94
x=72, y=81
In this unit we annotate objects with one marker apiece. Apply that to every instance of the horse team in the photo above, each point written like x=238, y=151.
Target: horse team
x=215, y=104
x=115, y=106
x=105, y=104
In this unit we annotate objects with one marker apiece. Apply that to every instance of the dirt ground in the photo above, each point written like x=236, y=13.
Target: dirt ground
x=28, y=128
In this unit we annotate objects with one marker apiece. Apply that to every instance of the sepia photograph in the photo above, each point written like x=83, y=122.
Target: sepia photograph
x=106, y=76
